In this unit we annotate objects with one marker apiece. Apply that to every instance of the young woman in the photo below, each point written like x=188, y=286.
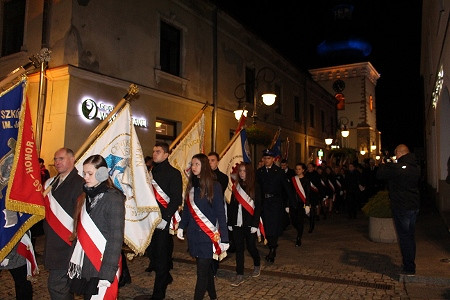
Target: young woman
x=244, y=213
x=301, y=205
x=99, y=223
x=203, y=210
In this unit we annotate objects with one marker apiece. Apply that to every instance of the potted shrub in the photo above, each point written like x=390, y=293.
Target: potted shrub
x=381, y=224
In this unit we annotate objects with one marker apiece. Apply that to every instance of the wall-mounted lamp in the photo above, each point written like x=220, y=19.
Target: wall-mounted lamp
x=373, y=147
x=268, y=99
x=238, y=113
x=345, y=132
x=328, y=141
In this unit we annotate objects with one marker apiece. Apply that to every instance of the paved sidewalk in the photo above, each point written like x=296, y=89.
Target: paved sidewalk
x=336, y=261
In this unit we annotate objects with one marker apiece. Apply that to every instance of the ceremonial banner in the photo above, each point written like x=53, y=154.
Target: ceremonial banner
x=238, y=152
x=120, y=147
x=276, y=145
x=21, y=200
x=180, y=158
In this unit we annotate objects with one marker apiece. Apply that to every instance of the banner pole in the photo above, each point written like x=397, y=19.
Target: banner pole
x=188, y=127
x=132, y=90
x=229, y=144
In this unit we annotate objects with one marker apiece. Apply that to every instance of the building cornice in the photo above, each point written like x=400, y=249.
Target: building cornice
x=346, y=71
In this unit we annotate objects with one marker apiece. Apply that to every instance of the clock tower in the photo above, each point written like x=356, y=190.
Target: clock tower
x=353, y=86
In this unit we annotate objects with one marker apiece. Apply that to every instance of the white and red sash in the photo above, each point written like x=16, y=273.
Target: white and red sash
x=58, y=219
x=299, y=188
x=247, y=202
x=205, y=224
x=314, y=188
x=25, y=249
x=164, y=200
x=332, y=188
x=92, y=243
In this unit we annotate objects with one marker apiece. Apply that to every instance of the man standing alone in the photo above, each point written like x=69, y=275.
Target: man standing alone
x=403, y=179
x=167, y=185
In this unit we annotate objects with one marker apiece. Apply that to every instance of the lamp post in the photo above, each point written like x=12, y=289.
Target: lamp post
x=267, y=75
x=343, y=121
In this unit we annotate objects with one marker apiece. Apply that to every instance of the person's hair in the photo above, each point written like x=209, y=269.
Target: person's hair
x=206, y=178
x=163, y=145
x=215, y=154
x=302, y=165
x=41, y=160
x=147, y=158
x=98, y=161
x=283, y=161
x=249, y=184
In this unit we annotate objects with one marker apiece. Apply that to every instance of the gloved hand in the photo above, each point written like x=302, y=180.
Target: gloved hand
x=253, y=229
x=180, y=234
x=4, y=262
x=341, y=193
x=230, y=228
x=224, y=246
x=162, y=224
x=307, y=210
x=103, y=283
x=287, y=209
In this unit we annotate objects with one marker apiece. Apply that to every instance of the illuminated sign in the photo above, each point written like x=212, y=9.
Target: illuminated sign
x=92, y=110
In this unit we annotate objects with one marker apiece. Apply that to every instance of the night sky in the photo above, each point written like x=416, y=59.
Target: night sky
x=392, y=28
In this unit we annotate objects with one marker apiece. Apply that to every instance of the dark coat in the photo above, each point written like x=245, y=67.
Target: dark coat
x=169, y=180
x=298, y=202
x=200, y=245
x=222, y=178
x=273, y=184
x=109, y=216
x=403, y=182
x=316, y=197
x=247, y=219
x=57, y=253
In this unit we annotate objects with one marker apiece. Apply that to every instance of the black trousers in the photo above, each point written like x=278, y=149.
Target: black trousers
x=205, y=279
x=242, y=238
x=161, y=257
x=297, y=215
x=24, y=290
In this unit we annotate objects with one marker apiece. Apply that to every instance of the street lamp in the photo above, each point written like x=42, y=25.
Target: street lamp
x=267, y=75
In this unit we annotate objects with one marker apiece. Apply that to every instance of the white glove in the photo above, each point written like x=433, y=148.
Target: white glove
x=230, y=228
x=287, y=209
x=253, y=229
x=341, y=193
x=103, y=283
x=307, y=210
x=4, y=262
x=224, y=246
x=162, y=224
x=180, y=234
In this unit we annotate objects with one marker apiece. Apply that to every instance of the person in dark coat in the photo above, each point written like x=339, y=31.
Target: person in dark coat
x=168, y=179
x=353, y=182
x=289, y=174
x=104, y=206
x=273, y=183
x=297, y=207
x=203, y=209
x=244, y=212
x=403, y=184
x=65, y=189
x=317, y=194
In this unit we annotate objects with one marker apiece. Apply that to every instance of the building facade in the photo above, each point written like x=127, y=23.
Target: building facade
x=353, y=86
x=181, y=54
x=435, y=71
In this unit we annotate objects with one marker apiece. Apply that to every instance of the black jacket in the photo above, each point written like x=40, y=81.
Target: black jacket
x=169, y=180
x=247, y=219
x=403, y=182
x=222, y=178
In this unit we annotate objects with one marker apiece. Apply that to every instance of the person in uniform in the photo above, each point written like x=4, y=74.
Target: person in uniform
x=168, y=187
x=272, y=182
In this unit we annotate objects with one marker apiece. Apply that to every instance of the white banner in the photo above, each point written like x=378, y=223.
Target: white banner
x=120, y=147
x=191, y=144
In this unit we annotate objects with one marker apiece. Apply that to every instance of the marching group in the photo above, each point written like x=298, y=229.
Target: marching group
x=263, y=202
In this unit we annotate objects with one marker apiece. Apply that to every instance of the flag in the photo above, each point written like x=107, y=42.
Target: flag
x=276, y=145
x=238, y=152
x=180, y=158
x=120, y=147
x=21, y=200
x=241, y=122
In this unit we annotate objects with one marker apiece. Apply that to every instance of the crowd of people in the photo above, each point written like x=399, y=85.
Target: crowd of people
x=264, y=202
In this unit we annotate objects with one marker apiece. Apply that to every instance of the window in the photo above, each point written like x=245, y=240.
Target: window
x=170, y=49
x=249, y=84
x=165, y=130
x=311, y=116
x=13, y=26
x=322, y=120
x=297, y=109
x=279, y=109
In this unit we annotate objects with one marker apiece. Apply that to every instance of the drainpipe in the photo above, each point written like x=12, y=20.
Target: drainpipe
x=214, y=114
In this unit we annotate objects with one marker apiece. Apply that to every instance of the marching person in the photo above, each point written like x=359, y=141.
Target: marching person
x=272, y=182
x=316, y=194
x=300, y=206
x=243, y=219
x=203, y=211
x=168, y=188
x=99, y=225
x=59, y=209
x=403, y=185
